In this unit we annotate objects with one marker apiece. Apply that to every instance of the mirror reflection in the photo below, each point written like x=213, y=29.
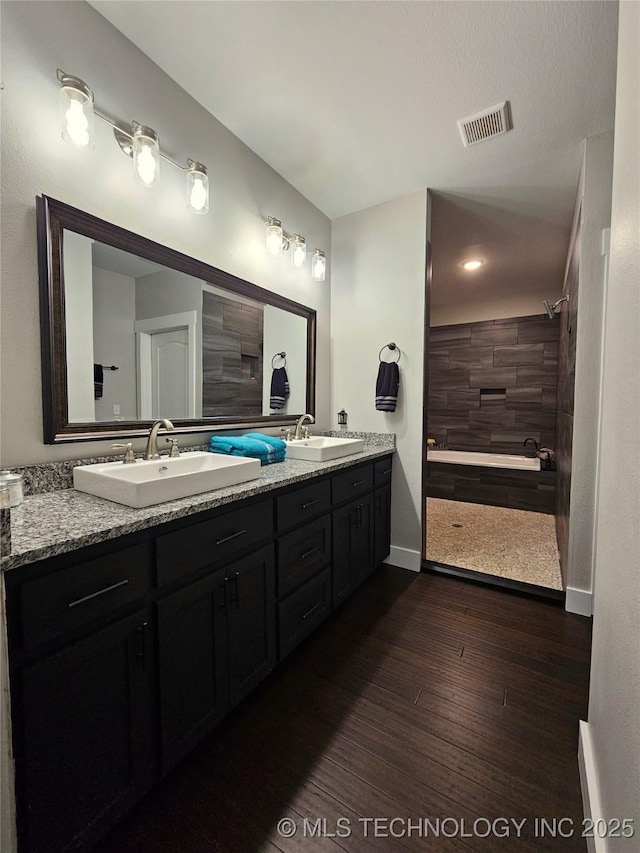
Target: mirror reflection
x=145, y=341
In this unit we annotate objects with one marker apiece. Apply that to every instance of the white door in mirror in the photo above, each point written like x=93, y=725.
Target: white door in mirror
x=155, y=481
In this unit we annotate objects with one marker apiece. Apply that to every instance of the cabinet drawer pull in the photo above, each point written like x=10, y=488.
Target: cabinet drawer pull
x=309, y=553
x=359, y=483
x=96, y=594
x=229, y=538
x=310, y=503
x=386, y=471
x=313, y=610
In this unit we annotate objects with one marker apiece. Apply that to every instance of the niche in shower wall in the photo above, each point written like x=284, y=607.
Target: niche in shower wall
x=493, y=383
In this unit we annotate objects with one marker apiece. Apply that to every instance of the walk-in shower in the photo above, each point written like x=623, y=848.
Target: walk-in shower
x=551, y=309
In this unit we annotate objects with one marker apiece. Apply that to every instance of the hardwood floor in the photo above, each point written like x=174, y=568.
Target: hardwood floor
x=424, y=697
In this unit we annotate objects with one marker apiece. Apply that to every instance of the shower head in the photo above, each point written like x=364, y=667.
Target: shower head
x=551, y=309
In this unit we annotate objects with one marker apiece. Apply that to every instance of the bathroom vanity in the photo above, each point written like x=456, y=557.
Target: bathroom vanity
x=126, y=651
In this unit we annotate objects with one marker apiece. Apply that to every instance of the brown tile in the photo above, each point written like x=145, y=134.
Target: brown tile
x=537, y=331
x=549, y=399
x=471, y=357
x=446, y=422
x=502, y=377
x=527, y=354
x=449, y=378
x=494, y=335
x=462, y=399
x=520, y=398
x=469, y=439
x=516, y=437
x=535, y=420
x=498, y=417
x=444, y=336
x=542, y=375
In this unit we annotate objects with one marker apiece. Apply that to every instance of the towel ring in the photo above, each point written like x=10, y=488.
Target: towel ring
x=393, y=347
x=281, y=355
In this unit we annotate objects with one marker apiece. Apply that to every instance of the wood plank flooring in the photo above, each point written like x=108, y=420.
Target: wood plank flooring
x=424, y=697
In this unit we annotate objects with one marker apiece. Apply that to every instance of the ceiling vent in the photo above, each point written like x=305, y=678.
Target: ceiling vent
x=493, y=121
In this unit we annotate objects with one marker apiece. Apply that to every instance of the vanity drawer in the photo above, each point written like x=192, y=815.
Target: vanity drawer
x=353, y=482
x=302, y=553
x=63, y=601
x=183, y=552
x=308, y=502
x=382, y=471
x=303, y=611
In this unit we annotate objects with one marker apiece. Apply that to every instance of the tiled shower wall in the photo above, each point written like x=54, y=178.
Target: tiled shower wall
x=493, y=384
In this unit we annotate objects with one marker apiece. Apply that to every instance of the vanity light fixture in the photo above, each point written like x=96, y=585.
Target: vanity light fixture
x=298, y=246
x=474, y=264
x=76, y=111
x=197, y=187
x=318, y=265
x=274, y=236
x=146, y=155
x=277, y=241
x=141, y=143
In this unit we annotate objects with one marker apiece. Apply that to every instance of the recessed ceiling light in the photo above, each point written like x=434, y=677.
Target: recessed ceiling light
x=472, y=265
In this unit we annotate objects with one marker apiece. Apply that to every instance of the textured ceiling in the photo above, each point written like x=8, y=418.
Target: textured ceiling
x=355, y=103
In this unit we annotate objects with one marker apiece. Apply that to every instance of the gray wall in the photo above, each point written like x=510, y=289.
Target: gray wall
x=596, y=216
x=114, y=343
x=615, y=663
x=378, y=296
x=37, y=38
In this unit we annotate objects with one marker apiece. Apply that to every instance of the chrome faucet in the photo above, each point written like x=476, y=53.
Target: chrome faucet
x=151, y=451
x=298, y=433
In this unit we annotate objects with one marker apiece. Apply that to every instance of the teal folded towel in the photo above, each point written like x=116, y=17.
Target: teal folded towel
x=250, y=446
x=276, y=443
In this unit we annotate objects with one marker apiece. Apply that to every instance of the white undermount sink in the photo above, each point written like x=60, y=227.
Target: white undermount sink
x=320, y=448
x=147, y=482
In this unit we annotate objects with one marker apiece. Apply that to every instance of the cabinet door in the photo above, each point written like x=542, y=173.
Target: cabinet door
x=251, y=621
x=362, y=559
x=84, y=750
x=352, y=546
x=345, y=522
x=382, y=524
x=192, y=665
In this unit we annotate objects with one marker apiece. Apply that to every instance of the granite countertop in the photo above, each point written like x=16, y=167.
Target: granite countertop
x=60, y=521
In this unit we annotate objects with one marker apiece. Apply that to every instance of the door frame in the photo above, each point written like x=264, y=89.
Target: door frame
x=144, y=329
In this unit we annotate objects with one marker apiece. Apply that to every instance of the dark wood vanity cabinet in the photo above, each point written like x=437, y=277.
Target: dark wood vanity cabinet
x=125, y=654
x=83, y=693
x=352, y=546
x=216, y=642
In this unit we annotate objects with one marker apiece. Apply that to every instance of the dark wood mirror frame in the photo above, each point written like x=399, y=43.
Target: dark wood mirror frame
x=53, y=217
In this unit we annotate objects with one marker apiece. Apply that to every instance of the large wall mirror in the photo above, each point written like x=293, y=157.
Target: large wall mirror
x=133, y=331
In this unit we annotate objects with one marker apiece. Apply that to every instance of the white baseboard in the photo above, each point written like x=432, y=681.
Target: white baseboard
x=579, y=601
x=590, y=788
x=404, y=558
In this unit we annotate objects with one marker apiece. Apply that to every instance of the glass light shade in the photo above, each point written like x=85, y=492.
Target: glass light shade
x=198, y=188
x=273, y=235
x=318, y=265
x=76, y=112
x=298, y=249
x=146, y=155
